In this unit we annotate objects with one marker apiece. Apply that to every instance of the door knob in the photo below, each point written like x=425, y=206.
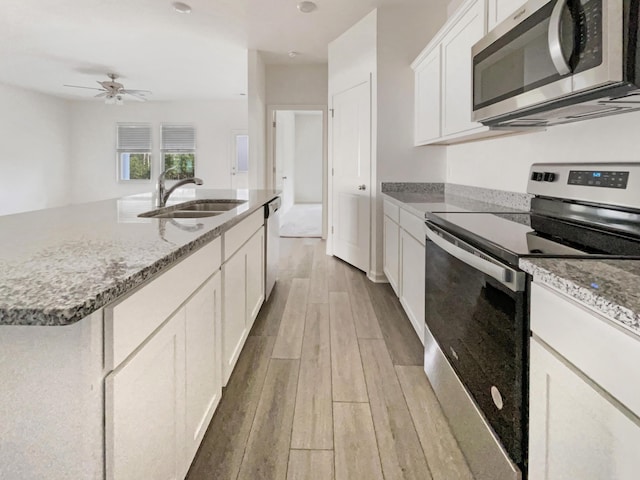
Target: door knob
x=362, y=187
x=284, y=178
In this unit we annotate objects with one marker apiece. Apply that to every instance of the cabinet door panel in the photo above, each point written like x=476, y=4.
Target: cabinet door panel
x=427, y=99
x=412, y=283
x=234, y=327
x=457, y=71
x=255, y=276
x=576, y=430
x=144, y=409
x=391, y=252
x=499, y=10
x=203, y=369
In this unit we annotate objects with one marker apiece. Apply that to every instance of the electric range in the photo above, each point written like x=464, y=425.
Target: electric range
x=477, y=299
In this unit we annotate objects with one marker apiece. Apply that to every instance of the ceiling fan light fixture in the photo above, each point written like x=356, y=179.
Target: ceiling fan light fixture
x=181, y=7
x=307, y=7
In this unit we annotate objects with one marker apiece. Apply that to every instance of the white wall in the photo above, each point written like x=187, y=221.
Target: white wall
x=93, y=141
x=257, y=119
x=403, y=31
x=34, y=134
x=453, y=6
x=308, y=158
x=503, y=163
x=297, y=84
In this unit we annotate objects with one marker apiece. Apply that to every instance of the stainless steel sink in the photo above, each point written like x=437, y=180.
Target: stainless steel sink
x=217, y=206
x=185, y=214
x=195, y=209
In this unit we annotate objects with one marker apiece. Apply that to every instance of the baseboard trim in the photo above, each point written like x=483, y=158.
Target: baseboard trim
x=377, y=277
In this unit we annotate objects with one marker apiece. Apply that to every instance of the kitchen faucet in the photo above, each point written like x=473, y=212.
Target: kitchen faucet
x=163, y=193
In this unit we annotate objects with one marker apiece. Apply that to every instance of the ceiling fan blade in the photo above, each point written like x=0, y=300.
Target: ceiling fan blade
x=79, y=86
x=139, y=92
x=100, y=95
x=137, y=96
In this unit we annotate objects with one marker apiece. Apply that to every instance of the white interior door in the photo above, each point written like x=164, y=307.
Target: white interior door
x=285, y=139
x=240, y=160
x=351, y=131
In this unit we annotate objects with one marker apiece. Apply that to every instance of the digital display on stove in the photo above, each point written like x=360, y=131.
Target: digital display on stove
x=591, y=178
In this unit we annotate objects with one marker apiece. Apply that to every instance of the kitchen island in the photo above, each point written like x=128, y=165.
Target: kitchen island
x=117, y=332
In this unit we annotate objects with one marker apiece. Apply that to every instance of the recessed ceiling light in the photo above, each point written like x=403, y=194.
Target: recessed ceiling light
x=307, y=7
x=181, y=7
x=293, y=54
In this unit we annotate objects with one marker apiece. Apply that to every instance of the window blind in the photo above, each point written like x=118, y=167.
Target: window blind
x=178, y=138
x=134, y=137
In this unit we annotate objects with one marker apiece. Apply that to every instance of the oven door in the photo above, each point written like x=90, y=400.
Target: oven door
x=545, y=51
x=475, y=352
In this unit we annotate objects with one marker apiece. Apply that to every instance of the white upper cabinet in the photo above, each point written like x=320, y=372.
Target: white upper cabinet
x=427, y=98
x=457, y=73
x=444, y=79
x=501, y=9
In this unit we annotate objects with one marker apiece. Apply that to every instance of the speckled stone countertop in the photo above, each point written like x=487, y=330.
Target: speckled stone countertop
x=419, y=203
x=59, y=265
x=610, y=287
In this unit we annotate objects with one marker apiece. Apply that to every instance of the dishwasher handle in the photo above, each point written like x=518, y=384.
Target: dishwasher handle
x=272, y=207
x=500, y=273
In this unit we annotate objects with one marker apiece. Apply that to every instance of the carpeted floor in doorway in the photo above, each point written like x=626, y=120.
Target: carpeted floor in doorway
x=302, y=220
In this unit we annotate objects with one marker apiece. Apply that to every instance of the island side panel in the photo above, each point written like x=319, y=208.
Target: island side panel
x=51, y=400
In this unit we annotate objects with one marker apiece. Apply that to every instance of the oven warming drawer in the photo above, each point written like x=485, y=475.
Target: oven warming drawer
x=484, y=453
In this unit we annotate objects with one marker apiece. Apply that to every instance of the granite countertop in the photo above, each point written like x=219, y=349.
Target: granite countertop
x=420, y=203
x=59, y=265
x=610, y=287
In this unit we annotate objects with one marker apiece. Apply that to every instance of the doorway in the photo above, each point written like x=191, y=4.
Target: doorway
x=298, y=169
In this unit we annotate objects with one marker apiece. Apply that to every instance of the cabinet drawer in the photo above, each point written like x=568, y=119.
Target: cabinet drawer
x=413, y=225
x=238, y=235
x=603, y=352
x=392, y=211
x=129, y=321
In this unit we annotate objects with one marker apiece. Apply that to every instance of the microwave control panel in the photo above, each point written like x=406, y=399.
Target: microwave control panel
x=599, y=178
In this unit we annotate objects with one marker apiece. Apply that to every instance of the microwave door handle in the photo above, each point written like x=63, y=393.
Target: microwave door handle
x=495, y=271
x=555, y=43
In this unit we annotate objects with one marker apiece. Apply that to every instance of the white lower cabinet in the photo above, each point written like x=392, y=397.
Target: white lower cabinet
x=412, y=254
x=577, y=430
x=243, y=278
x=145, y=409
x=255, y=276
x=391, y=246
x=584, y=400
x=203, y=361
x=404, y=261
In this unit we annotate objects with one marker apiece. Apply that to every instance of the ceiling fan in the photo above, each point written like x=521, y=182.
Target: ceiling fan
x=113, y=92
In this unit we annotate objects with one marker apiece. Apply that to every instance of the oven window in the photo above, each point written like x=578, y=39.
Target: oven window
x=520, y=60
x=479, y=325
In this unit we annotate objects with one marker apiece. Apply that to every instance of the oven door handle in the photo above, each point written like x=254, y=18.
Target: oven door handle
x=495, y=271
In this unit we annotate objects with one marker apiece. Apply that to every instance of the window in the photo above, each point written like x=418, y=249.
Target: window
x=133, y=149
x=178, y=149
x=242, y=153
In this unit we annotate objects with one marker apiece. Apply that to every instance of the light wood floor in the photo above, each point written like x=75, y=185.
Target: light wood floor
x=329, y=386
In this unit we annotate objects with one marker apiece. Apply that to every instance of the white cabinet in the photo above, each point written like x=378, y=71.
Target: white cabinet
x=203, y=361
x=444, y=77
x=145, y=409
x=499, y=10
x=391, y=247
x=427, y=98
x=255, y=275
x=412, y=271
x=576, y=430
x=457, y=70
x=584, y=405
x=243, y=279
x=404, y=261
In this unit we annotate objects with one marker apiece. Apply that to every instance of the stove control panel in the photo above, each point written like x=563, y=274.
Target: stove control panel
x=603, y=183
x=599, y=178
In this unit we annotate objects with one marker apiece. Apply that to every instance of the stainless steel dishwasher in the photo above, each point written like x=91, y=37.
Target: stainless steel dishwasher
x=272, y=239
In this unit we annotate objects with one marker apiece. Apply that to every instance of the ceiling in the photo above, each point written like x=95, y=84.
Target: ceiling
x=46, y=44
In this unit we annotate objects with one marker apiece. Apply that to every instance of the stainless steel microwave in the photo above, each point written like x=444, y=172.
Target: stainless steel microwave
x=558, y=61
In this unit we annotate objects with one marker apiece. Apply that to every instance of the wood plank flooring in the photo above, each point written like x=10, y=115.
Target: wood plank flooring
x=329, y=386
